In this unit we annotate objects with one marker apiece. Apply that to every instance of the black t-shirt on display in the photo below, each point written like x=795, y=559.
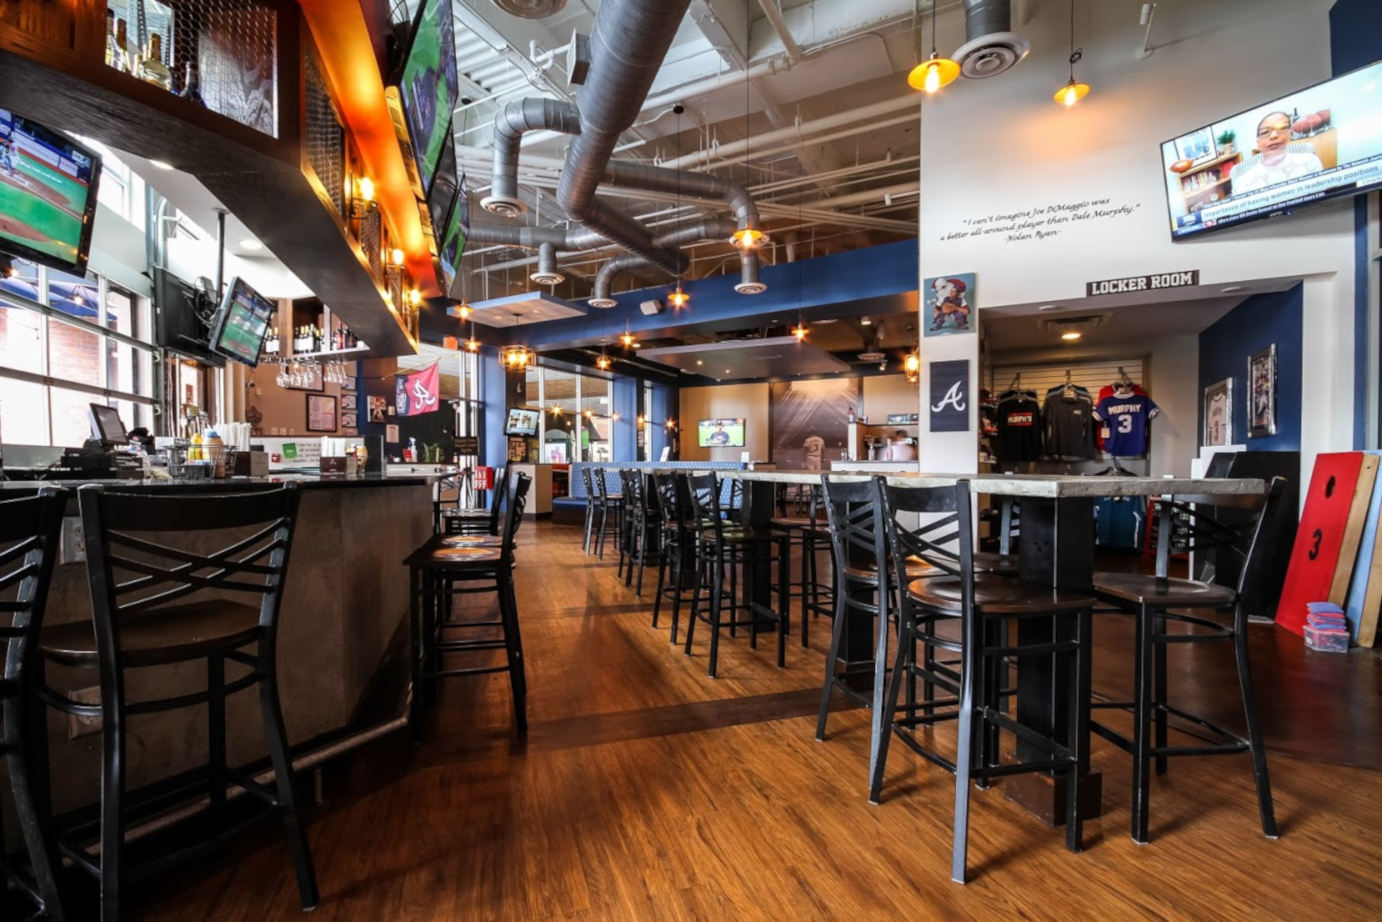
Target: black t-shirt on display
x=1069, y=426
x=1019, y=429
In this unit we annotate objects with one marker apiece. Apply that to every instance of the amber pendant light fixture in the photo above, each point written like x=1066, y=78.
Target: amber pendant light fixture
x=934, y=72
x=748, y=237
x=1073, y=91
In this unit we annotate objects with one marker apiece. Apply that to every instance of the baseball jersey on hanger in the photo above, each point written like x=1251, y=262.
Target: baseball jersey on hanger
x=1019, y=428
x=1127, y=419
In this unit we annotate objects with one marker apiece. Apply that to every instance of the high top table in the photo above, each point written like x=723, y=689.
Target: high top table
x=1056, y=549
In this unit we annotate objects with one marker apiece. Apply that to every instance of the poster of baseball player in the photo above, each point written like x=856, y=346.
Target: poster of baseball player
x=950, y=306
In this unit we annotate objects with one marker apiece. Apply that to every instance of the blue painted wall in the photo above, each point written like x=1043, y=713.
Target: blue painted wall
x=664, y=408
x=1258, y=322
x=624, y=434
x=1355, y=40
x=494, y=445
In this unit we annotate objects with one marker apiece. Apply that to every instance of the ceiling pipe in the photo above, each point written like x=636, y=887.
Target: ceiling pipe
x=784, y=34
x=510, y=124
x=627, y=47
x=547, y=272
x=692, y=185
x=707, y=229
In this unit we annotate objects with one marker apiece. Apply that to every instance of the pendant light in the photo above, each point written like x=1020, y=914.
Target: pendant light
x=935, y=72
x=516, y=358
x=1072, y=92
x=472, y=344
x=678, y=298
x=602, y=362
x=627, y=339
x=747, y=237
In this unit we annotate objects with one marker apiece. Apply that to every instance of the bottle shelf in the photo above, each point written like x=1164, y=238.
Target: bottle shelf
x=323, y=354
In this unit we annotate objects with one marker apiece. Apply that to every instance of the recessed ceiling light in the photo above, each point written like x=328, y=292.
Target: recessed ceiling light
x=161, y=164
x=1071, y=336
x=727, y=371
x=865, y=322
x=249, y=243
x=699, y=362
x=1232, y=289
x=1049, y=307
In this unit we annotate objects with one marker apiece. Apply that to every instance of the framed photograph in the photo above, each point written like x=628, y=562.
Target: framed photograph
x=348, y=402
x=950, y=305
x=350, y=421
x=1197, y=146
x=1218, y=413
x=378, y=408
x=321, y=413
x=1262, y=393
x=348, y=383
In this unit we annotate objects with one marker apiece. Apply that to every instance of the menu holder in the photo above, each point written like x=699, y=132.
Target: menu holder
x=341, y=466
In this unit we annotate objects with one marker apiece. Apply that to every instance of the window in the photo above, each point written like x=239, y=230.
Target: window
x=67, y=342
x=576, y=419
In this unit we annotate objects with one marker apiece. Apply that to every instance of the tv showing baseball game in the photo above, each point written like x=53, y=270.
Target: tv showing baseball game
x=47, y=194
x=242, y=323
x=429, y=87
x=720, y=433
x=1316, y=144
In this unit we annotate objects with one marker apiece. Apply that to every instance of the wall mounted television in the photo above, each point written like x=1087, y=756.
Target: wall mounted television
x=47, y=194
x=1315, y=144
x=522, y=421
x=720, y=433
x=182, y=319
x=428, y=86
x=451, y=242
x=242, y=323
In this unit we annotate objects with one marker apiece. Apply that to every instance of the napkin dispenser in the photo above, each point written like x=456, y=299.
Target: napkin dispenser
x=252, y=463
x=343, y=465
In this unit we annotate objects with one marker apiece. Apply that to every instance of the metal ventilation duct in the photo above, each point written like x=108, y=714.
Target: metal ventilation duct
x=547, y=273
x=531, y=9
x=990, y=47
x=709, y=229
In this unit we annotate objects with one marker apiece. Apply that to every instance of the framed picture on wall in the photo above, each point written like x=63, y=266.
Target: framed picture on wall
x=1262, y=393
x=378, y=407
x=950, y=304
x=321, y=413
x=349, y=402
x=1218, y=413
x=350, y=421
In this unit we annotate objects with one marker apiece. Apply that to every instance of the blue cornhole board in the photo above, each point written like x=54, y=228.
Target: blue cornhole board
x=1358, y=587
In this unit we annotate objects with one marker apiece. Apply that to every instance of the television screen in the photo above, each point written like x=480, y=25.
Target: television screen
x=242, y=323
x=720, y=433
x=521, y=421
x=182, y=319
x=452, y=243
x=429, y=87
x=444, y=184
x=47, y=194
x=1315, y=144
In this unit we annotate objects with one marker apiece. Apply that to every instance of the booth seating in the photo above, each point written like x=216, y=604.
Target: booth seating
x=575, y=500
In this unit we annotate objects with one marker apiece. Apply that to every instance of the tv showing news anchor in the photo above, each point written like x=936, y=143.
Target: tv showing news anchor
x=1318, y=143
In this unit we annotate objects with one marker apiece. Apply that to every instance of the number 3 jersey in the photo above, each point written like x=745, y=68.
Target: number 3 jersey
x=1126, y=418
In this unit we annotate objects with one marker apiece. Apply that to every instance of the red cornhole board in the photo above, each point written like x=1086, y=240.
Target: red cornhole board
x=1320, y=538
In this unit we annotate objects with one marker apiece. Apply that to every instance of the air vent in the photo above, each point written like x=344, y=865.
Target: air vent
x=873, y=356
x=547, y=278
x=991, y=54
x=531, y=9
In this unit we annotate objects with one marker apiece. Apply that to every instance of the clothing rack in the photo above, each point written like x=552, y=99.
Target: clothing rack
x=1041, y=377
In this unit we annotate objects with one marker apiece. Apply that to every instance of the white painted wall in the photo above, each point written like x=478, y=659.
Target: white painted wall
x=1001, y=145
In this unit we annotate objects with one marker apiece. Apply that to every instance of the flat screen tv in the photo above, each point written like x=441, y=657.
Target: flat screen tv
x=451, y=244
x=1316, y=144
x=428, y=87
x=521, y=421
x=182, y=319
x=47, y=194
x=720, y=433
x=242, y=323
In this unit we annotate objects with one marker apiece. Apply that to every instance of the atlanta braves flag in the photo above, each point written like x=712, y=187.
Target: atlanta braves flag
x=419, y=392
x=950, y=396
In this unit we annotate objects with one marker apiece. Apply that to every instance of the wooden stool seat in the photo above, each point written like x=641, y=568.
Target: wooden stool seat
x=804, y=522
x=1145, y=589
x=738, y=534
x=168, y=634
x=996, y=595
x=435, y=556
x=991, y=562
x=867, y=572
x=472, y=541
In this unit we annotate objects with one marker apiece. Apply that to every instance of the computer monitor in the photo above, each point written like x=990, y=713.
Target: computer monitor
x=106, y=425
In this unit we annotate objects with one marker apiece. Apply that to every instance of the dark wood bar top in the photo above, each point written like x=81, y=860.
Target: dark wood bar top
x=424, y=475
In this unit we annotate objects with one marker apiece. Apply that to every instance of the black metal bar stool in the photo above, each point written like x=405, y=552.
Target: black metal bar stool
x=29, y=533
x=640, y=532
x=676, y=562
x=806, y=530
x=446, y=566
x=1149, y=598
x=606, y=504
x=985, y=606
x=722, y=548
x=148, y=610
x=592, y=502
x=478, y=520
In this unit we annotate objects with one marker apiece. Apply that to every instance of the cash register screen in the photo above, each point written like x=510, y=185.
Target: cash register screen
x=106, y=425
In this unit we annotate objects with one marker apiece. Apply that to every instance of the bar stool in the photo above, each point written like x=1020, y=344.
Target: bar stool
x=478, y=520
x=677, y=547
x=444, y=567
x=985, y=605
x=148, y=610
x=592, y=502
x=607, y=504
x=721, y=549
x=1149, y=598
x=30, y=529
x=640, y=526
x=808, y=532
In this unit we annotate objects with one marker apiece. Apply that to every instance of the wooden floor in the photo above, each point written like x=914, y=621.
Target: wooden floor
x=647, y=791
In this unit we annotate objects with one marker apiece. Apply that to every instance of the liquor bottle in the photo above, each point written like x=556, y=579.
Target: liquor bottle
x=112, y=50
x=121, y=52
x=191, y=85
x=151, y=67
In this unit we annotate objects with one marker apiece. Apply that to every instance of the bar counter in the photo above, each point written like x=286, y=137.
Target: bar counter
x=345, y=600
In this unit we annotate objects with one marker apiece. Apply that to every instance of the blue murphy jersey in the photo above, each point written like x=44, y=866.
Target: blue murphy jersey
x=1126, y=418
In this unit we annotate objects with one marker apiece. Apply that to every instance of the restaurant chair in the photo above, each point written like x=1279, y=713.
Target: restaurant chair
x=478, y=520
x=446, y=566
x=970, y=613
x=149, y=578
x=677, y=543
x=607, y=504
x=640, y=526
x=592, y=502
x=30, y=530
x=1150, y=598
x=806, y=528
x=722, y=549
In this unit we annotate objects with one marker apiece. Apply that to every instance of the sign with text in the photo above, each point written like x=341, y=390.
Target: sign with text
x=1137, y=283
x=466, y=445
x=950, y=396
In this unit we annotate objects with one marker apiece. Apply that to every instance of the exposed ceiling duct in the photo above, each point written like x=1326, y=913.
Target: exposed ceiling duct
x=547, y=272
x=510, y=123
x=531, y=9
x=990, y=46
x=708, y=229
